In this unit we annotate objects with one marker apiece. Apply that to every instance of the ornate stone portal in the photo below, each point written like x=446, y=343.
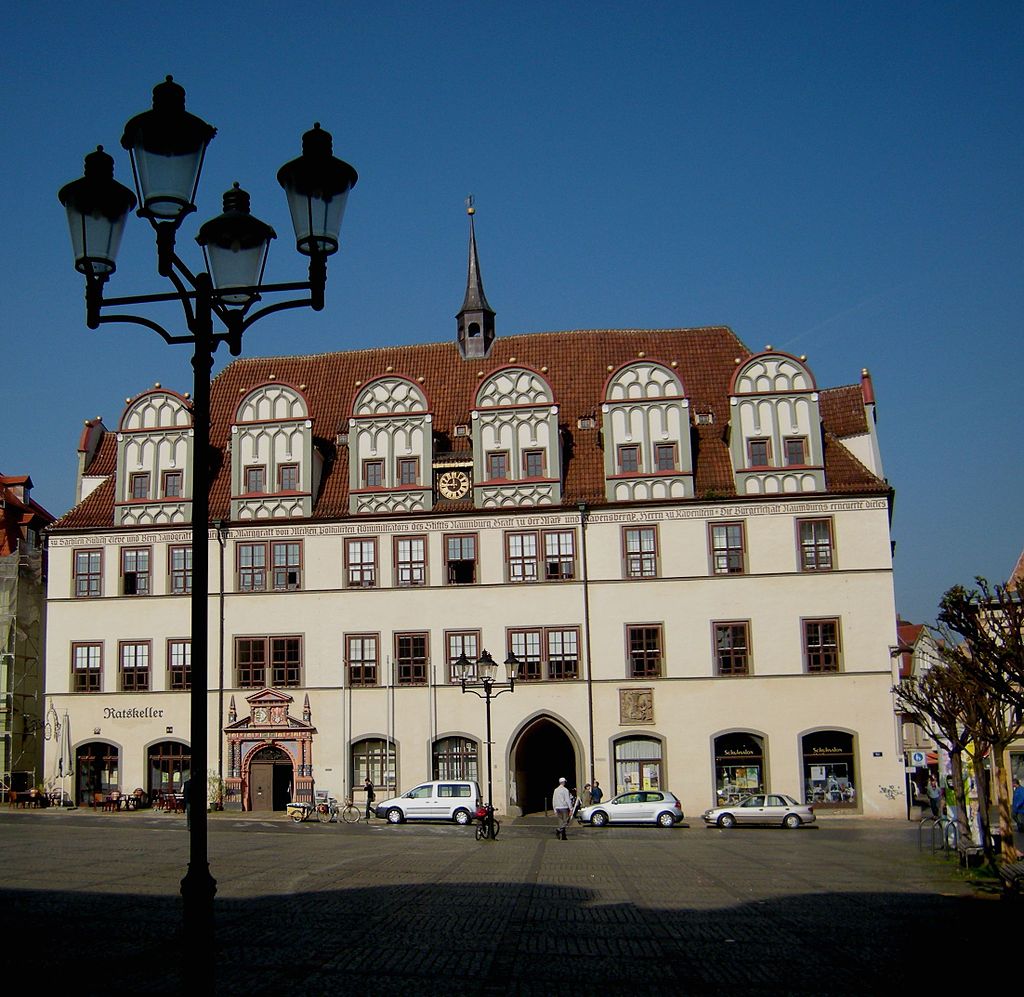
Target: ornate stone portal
x=270, y=732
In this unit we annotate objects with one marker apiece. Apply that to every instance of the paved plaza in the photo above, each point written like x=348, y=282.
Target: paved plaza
x=850, y=907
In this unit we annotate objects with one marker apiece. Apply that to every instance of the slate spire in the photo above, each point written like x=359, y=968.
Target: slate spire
x=476, y=318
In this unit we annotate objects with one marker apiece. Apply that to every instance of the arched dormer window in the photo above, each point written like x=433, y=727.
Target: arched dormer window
x=646, y=421
x=775, y=427
x=154, y=458
x=517, y=458
x=275, y=471
x=390, y=448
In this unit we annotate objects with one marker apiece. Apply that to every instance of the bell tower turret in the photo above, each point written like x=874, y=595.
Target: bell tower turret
x=476, y=318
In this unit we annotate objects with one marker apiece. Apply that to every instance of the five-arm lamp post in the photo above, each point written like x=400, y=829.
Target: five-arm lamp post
x=477, y=676
x=167, y=146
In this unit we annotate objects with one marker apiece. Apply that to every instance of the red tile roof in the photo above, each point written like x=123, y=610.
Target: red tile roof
x=575, y=364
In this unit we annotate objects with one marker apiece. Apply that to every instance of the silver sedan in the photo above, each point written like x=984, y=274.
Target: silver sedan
x=773, y=808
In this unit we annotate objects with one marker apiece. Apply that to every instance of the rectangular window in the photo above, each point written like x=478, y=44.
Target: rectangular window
x=533, y=463
x=179, y=564
x=644, y=651
x=521, y=556
x=408, y=471
x=458, y=643
x=179, y=665
x=732, y=648
x=253, y=654
x=135, y=571
x=250, y=662
x=139, y=484
x=411, y=561
x=526, y=645
x=86, y=667
x=288, y=478
x=727, y=549
x=563, y=648
x=361, y=659
x=252, y=567
x=134, y=662
x=559, y=555
x=287, y=566
x=497, y=465
x=172, y=484
x=821, y=645
x=88, y=573
x=361, y=563
x=665, y=456
x=815, y=544
x=794, y=449
x=758, y=453
x=286, y=661
x=640, y=550
x=460, y=559
x=255, y=480
x=373, y=473
x=629, y=459
x=411, y=659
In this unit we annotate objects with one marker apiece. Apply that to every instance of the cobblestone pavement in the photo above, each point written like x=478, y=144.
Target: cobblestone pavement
x=851, y=907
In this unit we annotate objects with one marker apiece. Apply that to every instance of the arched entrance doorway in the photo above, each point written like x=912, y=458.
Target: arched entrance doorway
x=542, y=754
x=270, y=779
x=97, y=772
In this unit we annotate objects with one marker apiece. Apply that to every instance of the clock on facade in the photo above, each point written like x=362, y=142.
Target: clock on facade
x=453, y=484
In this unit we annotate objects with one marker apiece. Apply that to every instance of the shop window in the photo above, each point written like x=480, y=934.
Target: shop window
x=732, y=648
x=460, y=559
x=179, y=665
x=815, y=538
x=97, y=771
x=86, y=667
x=88, y=574
x=361, y=563
x=640, y=551
x=638, y=764
x=829, y=770
x=455, y=758
x=821, y=645
x=739, y=767
x=374, y=759
x=728, y=554
x=134, y=666
x=179, y=562
x=644, y=651
x=135, y=571
x=361, y=659
x=411, y=659
x=459, y=643
x=411, y=561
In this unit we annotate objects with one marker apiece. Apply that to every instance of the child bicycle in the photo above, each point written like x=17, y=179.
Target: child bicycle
x=488, y=826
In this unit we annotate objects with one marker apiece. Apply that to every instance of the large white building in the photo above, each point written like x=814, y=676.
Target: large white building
x=684, y=542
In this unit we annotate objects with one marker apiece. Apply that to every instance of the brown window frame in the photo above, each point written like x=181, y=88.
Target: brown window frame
x=373, y=473
x=813, y=554
x=411, y=564
x=669, y=465
x=260, y=473
x=368, y=576
x=180, y=579
x=402, y=478
x=531, y=666
x=87, y=679
x=639, y=649
x=815, y=655
x=179, y=674
x=455, y=566
x=632, y=449
x=635, y=562
x=456, y=643
x=362, y=672
x=517, y=565
x=534, y=456
x=292, y=470
x=269, y=574
x=558, y=667
x=168, y=476
x=557, y=566
x=286, y=575
x=283, y=672
x=734, y=658
x=758, y=440
x=412, y=657
x=788, y=441
x=93, y=578
x=136, y=677
x=492, y=460
x=139, y=482
x=136, y=582
x=728, y=559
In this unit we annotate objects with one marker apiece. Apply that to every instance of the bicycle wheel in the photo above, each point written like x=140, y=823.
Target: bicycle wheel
x=323, y=814
x=481, y=832
x=497, y=828
x=350, y=814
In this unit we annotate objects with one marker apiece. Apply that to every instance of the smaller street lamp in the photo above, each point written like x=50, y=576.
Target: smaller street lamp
x=477, y=676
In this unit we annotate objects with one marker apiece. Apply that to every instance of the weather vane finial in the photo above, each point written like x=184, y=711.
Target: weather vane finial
x=470, y=210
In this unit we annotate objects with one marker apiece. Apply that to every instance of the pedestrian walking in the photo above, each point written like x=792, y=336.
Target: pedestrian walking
x=370, y=797
x=596, y=793
x=561, y=800
x=934, y=795
x=1018, y=804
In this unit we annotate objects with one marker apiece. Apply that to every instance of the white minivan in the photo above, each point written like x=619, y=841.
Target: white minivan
x=446, y=799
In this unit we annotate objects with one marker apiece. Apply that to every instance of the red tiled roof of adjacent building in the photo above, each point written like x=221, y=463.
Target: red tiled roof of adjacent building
x=576, y=364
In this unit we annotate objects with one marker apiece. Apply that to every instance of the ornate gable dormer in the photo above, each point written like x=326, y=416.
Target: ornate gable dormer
x=517, y=458
x=775, y=436
x=390, y=441
x=275, y=472
x=646, y=421
x=154, y=458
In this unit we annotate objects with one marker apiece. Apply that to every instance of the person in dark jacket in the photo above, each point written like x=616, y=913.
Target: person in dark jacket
x=370, y=797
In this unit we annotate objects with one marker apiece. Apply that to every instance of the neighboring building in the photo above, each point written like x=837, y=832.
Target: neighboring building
x=22, y=601
x=685, y=543
x=916, y=653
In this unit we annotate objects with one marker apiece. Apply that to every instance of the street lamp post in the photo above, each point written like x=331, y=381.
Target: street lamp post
x=478, y=675
x=167, y=146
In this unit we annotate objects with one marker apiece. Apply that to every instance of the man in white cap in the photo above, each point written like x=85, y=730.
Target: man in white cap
x=561, y=800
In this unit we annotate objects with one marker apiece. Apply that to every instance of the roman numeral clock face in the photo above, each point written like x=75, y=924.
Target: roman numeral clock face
x=453, y=484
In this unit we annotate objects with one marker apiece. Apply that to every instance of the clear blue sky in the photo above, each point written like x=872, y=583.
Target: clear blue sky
x=840, y=180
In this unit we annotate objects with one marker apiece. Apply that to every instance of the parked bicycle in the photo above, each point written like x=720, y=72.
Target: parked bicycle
x=350, y=813
x=488, y=825
x=325, y=809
